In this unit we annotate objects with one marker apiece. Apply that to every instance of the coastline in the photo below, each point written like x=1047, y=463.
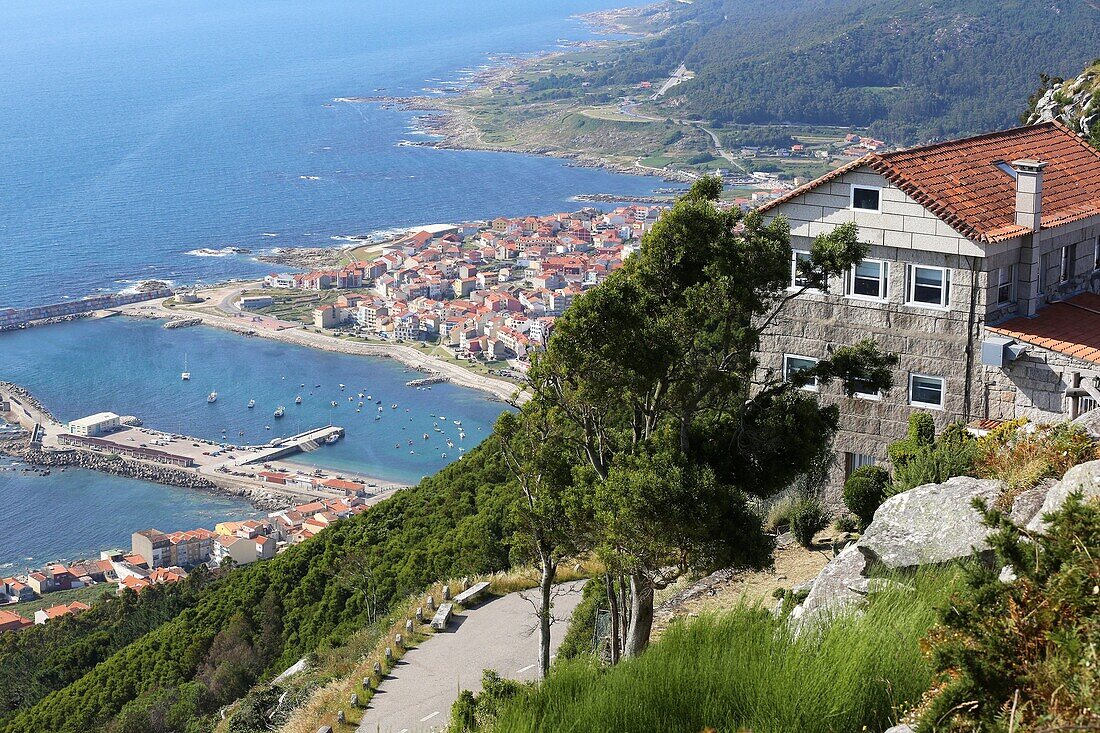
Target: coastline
x=498, y=389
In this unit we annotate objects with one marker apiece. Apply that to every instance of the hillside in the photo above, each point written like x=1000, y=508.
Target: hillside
x=167, y=660
x=911, y=71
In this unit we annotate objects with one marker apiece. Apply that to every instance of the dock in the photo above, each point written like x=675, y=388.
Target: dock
x=282, y=447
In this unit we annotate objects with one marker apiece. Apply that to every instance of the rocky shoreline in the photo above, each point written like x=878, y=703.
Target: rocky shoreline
x=26, y=398
x=306, y=258
x=48, y=321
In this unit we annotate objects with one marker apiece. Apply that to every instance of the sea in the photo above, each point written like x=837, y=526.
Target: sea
x=138, y=139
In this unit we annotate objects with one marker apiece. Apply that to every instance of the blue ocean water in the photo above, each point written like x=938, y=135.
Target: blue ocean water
x=134, y=368
x=132, y=132
x=73, y=514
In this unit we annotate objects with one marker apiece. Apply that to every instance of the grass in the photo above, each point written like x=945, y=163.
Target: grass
x=745, y=670
x=88, y=594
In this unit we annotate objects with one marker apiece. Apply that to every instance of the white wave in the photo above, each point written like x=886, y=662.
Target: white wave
x=136, y=286
x=223, y=252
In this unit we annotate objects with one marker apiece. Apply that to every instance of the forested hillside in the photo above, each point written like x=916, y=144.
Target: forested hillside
x=910, y=70
x=167, y=660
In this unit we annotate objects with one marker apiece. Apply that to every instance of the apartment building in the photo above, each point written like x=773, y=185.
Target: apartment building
x=982, y=276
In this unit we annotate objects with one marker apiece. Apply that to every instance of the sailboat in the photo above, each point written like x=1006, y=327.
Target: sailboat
x=185, y=375
x=212, y=397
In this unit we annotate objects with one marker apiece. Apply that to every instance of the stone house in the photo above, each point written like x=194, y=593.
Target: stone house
x=985, y=254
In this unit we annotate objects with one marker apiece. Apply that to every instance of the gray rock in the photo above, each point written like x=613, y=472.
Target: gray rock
x=867, y=586
x=1028, y=503
x=1084, y=477
x=830, y=592
x=929, y=524
x=1090, y=421
x=900, y=729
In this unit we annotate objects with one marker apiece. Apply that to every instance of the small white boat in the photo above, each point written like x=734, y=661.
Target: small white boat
x=360, y=395
x=341, y=386
x=333, y=403
x=425, y=436
x=251, y=404
x=298, y=400
x=458, y=423
x=212, y=397
x=332, y=438
x=461, y=435
x=393, y=406
x=380, y=409
x=280, y=411
x=185, y=376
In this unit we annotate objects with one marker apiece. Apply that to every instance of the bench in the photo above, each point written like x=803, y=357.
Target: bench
x=471, y=594
x=442, y=617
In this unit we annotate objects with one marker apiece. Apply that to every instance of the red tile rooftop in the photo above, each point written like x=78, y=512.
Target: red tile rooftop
x=1071, y=327
x=959, y=181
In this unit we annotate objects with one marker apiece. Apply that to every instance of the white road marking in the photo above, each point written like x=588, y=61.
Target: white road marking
x=521, y=671
x=403, y=730
x=429, y=717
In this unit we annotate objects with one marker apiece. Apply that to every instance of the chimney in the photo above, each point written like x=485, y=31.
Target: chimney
x=1029, y=192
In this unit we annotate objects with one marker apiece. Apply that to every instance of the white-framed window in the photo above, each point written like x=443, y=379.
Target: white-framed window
x=794, y=363
x=1069, y=263
x=1006, y=283
x=867, y=198
x=798, y=281
x=864, y=391
x=852, y=461
x=929, y=287
x=926, y=391
x=869, y=280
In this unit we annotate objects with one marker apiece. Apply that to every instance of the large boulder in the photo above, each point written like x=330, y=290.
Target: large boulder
x=831, y=591
x=929, y=524
x=1090, y=422
x=1027, y=505
x=1084, y=477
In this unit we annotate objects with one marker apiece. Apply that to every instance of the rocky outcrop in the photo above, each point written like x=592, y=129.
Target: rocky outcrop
x=930, y=524
x=1084, y=478
x=831, y=592
x=1074, y=102
x=1028, y=503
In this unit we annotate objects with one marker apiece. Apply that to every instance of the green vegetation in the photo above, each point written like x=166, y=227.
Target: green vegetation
x=808, y=517
x=646, y=386
x=922, y=434
x=911, y=71
x=744, y=670
x=1023, y=656
x=178, y=653
x=88, y=594
x=865, y=490
x=1022, y=458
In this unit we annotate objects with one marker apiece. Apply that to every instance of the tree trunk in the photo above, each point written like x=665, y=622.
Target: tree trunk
x=613, y=605
x=641, y=615
x=546, y=587
x=624, y=609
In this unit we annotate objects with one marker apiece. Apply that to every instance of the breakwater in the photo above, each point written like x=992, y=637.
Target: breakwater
x=117, y=466
x=13, y=318
x=21, y=396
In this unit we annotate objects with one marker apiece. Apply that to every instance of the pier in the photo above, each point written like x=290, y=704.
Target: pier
x=306, y=441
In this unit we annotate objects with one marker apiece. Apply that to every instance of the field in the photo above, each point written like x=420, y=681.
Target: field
x=87, y=595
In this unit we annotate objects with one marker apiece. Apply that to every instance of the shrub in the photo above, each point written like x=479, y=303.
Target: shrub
x=1022, y=459
x=779, y=513
x=922, y=435
x=808, y=518
x=846, y=523
x=865, y=490
x=1029, y=646
x=934, y=466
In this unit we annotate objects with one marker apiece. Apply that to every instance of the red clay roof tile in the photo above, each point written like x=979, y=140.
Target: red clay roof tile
x=959, y=181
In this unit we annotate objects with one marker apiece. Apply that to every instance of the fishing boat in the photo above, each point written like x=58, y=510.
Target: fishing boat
x=380, y=409
x=393, y=406
x=333, y=403
x=251, y=404
x=212, y=397
x=425, y=436
x=185, y=375
x=461, y=435
x=332, y=438
x=298, y=400
x=341, y=386
x=360, y=395
x=280, y=411
x=458, y=423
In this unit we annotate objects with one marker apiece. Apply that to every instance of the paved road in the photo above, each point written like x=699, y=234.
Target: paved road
x=417, y=696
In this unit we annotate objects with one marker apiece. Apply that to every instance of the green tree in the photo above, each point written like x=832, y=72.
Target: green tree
x=532, y=447
x=654, y=380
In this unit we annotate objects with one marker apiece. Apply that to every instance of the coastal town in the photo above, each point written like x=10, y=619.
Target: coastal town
x=486, y=290
x=157, y=557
